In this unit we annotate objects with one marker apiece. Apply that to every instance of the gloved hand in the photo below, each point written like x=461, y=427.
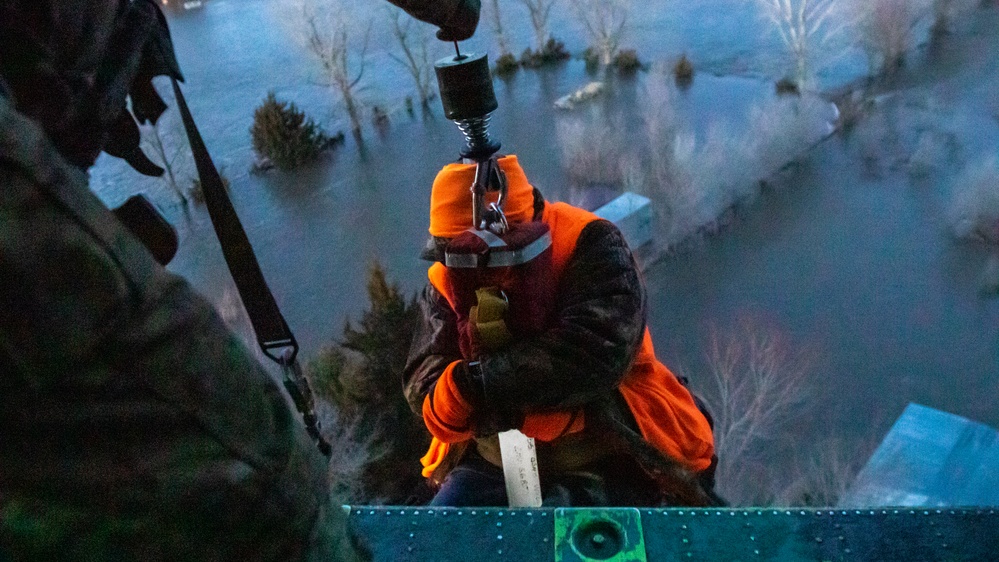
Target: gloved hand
x=456, y=408
x=486, y=320
x=457, y=19
x=446, y=412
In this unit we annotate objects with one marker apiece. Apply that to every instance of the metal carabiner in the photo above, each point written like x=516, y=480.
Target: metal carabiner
x=489, y=177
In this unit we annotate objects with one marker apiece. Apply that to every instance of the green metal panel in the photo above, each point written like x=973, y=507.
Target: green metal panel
x=489, y=534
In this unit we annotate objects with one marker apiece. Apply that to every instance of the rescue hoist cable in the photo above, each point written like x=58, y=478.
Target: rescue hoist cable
x=273, y=334
x=466, y=90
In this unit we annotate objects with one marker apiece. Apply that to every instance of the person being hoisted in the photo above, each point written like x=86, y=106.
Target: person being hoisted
x=534, y=319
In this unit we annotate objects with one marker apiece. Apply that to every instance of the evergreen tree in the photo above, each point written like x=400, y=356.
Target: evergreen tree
x=283, y=134
x=362, y=377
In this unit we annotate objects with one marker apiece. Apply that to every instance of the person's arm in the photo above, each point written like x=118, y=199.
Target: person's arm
x=598, y=326
x=457, y=19
x=126, y=402
x=434, y=347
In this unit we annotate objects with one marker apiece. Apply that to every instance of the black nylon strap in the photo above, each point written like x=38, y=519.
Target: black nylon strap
x=271, y=329
x=273, y=334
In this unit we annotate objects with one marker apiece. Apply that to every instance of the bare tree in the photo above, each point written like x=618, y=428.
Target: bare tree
x=757, y=393
x=414, y=40
x=497, y=23
x=694, y=179
x=885, y=32
x=166, y=145
x=806, y=27
x=330, y=33
x=822, y=473
x=593, y=151
x=605, y=23
x=974, y=209
x=540, y=12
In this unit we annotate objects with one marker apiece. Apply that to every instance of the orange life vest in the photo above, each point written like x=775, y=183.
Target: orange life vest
x=663, y=408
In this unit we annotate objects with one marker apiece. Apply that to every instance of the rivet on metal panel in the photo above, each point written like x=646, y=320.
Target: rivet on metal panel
x=756, y=552
x=499, y=514
x=416, y=512
x=403, y=512
x=499, y=523
x=681, y=512
x=803, y=512
x=499, y=537
x=474, y=512
x=430, y=512
x=411, y=535
x=460, y=512
x=530, y=514
x=499, y=551
x=409, y=549
x=818, y=540
x=841, y=537
x=846, y=551
x=752, y=537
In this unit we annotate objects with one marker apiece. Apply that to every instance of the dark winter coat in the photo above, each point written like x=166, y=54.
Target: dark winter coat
x=601, y=306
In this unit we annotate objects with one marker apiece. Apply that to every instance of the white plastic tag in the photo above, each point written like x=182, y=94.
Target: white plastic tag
x=520, y=469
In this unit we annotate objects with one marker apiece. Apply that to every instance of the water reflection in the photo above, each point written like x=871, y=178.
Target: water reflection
x=844, y=256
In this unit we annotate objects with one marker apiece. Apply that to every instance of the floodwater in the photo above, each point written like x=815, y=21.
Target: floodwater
x=853, y=264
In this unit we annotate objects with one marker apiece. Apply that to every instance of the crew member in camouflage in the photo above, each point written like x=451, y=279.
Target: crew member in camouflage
x=133, y=424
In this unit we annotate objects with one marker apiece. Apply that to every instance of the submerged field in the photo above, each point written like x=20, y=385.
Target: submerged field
x=845, y=266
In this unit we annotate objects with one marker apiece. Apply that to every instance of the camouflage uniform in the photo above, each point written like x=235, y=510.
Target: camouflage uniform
x=133, y=424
